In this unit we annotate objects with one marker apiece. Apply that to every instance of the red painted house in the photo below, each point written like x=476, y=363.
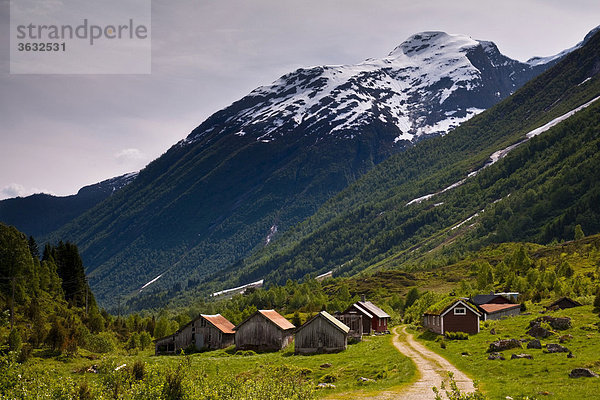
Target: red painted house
x=374, y=319
x=452, y=315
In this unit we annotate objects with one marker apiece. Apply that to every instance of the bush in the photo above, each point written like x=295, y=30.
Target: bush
x=245, y=353
x=14, y=341
x=457, y=336
x=103, y=342
x=173, y=388
x=145, y=340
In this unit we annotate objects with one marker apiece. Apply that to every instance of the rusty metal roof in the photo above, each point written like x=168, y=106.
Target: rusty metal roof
x=277, y=319
x=219, y=322
x=492, y=308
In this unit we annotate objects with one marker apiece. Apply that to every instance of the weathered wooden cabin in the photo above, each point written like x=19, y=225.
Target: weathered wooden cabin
x=265, y=330
x=452, y=315
x=321, y=334
x=374, y=319
x=207, y=332
x=353, y=320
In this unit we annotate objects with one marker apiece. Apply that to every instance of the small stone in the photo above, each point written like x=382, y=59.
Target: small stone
x=582, y=373
x=326, y=386
x=534, y=344
x=496, y=356
x=493, y=331
x=326, y=365
x=515, y=356
x=366, y=380
x=565, y=338
x=570, y=355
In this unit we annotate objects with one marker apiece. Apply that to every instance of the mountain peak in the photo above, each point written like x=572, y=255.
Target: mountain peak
x=423, y=42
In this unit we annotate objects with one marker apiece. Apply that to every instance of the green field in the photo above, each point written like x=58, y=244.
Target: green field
x=224, y=373
x=546, y=375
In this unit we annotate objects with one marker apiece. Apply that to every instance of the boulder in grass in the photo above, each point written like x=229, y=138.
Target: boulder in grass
x=556, y=348
x=504, y=344
x=582, y=373
x=534, y=344
x=558, y=323
x=537, y=331
x=496, y=356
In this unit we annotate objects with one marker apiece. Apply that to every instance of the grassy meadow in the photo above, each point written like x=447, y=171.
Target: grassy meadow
x=221, y=374
x=546, y=376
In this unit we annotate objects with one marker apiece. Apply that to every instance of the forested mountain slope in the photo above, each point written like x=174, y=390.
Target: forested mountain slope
x=538, y=191
x=258, y=167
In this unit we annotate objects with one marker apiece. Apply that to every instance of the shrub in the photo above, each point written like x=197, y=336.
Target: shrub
x=245, y=353
x=457, y=336
x=84, y=392
x=138, y=370
x=328, y=378
x=103, y=342
x=173, y=388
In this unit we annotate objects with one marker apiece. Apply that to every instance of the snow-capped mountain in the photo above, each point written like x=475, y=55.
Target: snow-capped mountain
x=270, y=160
x=426, y=86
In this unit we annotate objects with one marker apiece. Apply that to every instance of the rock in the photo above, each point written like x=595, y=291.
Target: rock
x=326, y=386
x=326, y=365
x=93, y=369
x=528, y=356
x=570, y=355
x=582, y=373
x=465, y=354
x=565, y=338
x=496, y=356
x=558, y=323
x=556, y=348
x=534, y=344
x=493, y=331
x=538, y=332
x=504, y=344
x=362, y=379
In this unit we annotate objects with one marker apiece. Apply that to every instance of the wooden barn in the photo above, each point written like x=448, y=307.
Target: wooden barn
x=495, y=306
x=499, y=311
x=207, y=332
x=321, y=334
x=265, y=330
x=452, y=315
x=374, y=319
x=564, y=302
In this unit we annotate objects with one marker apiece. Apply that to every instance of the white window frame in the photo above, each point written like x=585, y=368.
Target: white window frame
x=463, y=310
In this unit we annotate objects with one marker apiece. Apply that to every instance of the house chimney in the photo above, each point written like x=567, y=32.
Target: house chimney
x=363, y=298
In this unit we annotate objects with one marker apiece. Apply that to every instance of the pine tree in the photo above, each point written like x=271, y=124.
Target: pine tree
x=578, y=232
x=411, y=297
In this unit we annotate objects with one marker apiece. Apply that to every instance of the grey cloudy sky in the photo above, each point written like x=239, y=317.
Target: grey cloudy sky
x=59, y=133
